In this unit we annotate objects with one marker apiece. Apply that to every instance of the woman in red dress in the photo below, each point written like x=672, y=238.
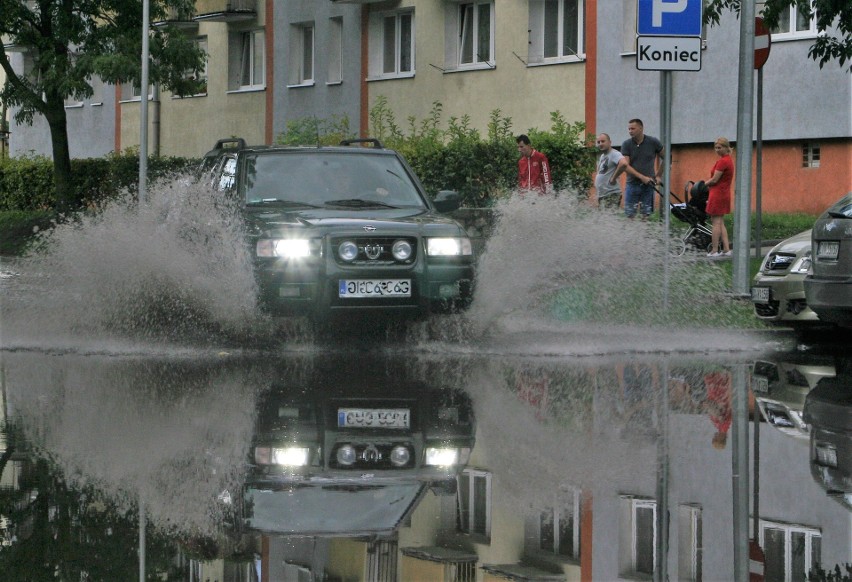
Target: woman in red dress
x=719, y=200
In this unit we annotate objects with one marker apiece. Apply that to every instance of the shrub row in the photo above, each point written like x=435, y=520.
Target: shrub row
x=26, y=183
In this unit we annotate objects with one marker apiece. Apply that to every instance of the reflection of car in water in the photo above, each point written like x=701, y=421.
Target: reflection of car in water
x=828, y=409
x=353, y=456
x=780, y=388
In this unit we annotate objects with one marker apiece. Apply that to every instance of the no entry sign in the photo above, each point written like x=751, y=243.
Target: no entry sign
x=762, y=42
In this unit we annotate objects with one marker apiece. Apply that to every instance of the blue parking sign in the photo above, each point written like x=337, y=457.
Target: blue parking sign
x=669, y=17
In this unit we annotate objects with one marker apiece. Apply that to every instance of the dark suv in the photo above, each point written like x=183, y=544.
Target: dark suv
x=828, y=286
x=345, y=228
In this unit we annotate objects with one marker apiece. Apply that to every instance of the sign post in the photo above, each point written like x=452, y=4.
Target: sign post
x=762, y=45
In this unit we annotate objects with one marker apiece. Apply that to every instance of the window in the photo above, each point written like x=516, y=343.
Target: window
x=476, y=42
x=557, y=530
x=301, y=54
x=628, y=30
x=793, y=24
x=473, y=502
x=556, y=30
x=689, y=542
x=335, y=50
x=201, y=43
x=791, y=550
x=248, y=60
x=810, y=155
x=392, y=44
x=637, y=532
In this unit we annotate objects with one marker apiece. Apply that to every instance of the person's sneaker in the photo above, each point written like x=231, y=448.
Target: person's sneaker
x=725, y=254
x=713, y=255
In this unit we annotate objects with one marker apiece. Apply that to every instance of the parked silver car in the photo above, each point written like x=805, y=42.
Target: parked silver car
x=828, y=286
x=778, y=291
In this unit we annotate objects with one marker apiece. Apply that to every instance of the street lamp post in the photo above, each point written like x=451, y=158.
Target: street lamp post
x=143, y=104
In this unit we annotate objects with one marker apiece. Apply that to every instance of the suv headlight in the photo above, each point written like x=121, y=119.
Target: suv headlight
x=287, y=456
x=446, y=456
x=448, y=247
x=286, y=248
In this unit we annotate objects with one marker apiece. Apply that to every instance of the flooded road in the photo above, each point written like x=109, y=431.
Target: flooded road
x=558, y=431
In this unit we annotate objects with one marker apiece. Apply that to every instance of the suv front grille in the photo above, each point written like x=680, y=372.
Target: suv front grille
x=374, y=251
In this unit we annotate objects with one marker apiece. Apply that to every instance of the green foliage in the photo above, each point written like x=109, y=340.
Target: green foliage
x=316, y=131
x=19, y=227
x=481, y=169
x=836, y=575
x=27, y=183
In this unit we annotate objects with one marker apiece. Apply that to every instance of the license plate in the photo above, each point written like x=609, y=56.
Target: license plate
x=357, y=288
x=760, y=294
x=761, y=385
x=828, y=249
x=373, y=417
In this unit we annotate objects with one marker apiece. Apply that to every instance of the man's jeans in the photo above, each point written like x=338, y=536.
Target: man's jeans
x=641, y=194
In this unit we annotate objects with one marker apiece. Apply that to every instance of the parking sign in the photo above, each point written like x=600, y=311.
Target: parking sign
x=669, y=17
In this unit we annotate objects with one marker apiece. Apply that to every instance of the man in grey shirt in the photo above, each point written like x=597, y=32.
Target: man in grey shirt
x=607, y=189
x=643, y=162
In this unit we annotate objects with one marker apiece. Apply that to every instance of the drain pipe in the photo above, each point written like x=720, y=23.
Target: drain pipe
x=155, y=120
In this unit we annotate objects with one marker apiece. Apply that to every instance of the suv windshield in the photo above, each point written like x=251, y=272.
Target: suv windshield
x=329, y=179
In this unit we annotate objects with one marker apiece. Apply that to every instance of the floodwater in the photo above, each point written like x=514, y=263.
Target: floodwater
x=150, y=410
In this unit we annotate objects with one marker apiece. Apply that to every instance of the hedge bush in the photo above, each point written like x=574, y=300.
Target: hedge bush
x=26, y=183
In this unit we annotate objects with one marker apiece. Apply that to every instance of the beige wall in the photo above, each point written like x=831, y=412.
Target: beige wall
x=525, y=94
x=347, y=559
x=190, y=126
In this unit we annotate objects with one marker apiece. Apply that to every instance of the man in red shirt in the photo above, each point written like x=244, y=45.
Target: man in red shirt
x=533, y=167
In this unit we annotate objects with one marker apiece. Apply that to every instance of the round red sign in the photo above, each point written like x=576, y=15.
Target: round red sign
x=762, y=42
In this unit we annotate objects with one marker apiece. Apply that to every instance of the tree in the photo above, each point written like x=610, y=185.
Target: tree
x=68, y=42
x=828, y=13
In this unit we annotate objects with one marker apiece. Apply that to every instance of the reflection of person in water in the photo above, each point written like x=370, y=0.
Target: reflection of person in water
x=718, y=386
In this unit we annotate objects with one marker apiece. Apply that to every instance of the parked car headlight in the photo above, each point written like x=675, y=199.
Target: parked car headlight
x=287, y=456
x=448, y=247
x=802, y=265
x=287, y=248
x=446, y=456
x=347, y=250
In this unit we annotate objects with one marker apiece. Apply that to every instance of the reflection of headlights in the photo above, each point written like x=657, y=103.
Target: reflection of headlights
x=802, y=265
x=448, y=247
x=446, y=457
x=288, y=456
x=399, y=456
x=288, y=248
x=401, y=250
x=348, y=250
x=346, y=455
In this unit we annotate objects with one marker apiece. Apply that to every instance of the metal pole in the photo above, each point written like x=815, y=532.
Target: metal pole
x=661, y=572
x=143, y=106
x=739, y=473
x=141, y=540
x=759, y=167
x=756, y=473
x=667, y=164
x=745, y=114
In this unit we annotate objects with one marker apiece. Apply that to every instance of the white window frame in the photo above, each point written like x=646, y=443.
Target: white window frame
x=690, y=543
x=811, y=153
x=455, y=35
x=335, y=50
x=789, y=32
x=378, y=44
x=470, y=493
x=538, y=28
x=568, y=503
x=630, y=536
x=789, y=529
x=302, y=54
x=248, y=57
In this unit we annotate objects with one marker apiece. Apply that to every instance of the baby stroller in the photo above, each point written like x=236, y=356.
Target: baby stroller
x=691, y=210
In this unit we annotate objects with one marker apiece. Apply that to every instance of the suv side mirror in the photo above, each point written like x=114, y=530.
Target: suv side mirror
x=447, y=201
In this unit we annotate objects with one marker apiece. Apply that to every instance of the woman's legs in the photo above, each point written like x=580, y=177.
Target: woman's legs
x=719, y=232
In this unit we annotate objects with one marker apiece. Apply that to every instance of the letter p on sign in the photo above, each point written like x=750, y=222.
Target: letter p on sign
x=661, y=6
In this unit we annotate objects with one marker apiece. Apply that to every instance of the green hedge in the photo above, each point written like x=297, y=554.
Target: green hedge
x=27, y=183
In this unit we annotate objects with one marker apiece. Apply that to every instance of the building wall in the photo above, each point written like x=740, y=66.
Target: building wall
x=325, y=98
x=526, y=94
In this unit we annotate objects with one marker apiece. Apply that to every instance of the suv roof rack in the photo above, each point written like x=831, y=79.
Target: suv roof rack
x=367, y=140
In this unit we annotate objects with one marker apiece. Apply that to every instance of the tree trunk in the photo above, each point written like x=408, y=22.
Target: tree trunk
x=58, y=123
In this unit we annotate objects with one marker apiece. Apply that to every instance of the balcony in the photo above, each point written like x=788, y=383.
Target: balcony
x=178, y=19
x=225, y=10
